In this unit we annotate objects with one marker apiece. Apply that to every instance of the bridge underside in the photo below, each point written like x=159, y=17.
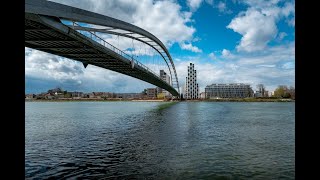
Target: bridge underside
x=48, y=34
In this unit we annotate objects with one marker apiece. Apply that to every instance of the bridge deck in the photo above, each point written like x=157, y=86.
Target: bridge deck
x=48, y=34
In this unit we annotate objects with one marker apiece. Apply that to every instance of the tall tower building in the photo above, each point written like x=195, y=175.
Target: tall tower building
x=164, y=76
x=192, y=87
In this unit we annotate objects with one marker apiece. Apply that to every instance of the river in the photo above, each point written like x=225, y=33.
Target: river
x=160, y=140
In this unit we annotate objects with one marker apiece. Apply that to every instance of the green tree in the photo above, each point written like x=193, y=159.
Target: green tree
x=67, y=95
x=278, y=92
x=282, y=92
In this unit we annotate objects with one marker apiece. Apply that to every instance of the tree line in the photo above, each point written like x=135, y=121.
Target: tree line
x=283, y=91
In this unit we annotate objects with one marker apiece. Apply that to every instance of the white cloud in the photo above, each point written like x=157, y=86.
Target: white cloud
x=257, y=30
x=222, y=6
x=253, y=68
x=291, y=22
x=66, y=72
x=100, y=79
x=288, y=9
x=190, y=47
x=232, y=66
x=194, y=4
x=196, y=39
x=257, y=24
x=227, y=54
x=212, y=56
x=282, y=35
x=164, y=19
x=127, y=45
x=269, y=55
x=261, y=3
x=153, y=16
x=243, y=68
x=246, y=68
x=288, y=65
x=266, y=65
x=47, y=66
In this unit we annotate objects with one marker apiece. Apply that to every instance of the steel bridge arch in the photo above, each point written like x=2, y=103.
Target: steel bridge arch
x=73, y=14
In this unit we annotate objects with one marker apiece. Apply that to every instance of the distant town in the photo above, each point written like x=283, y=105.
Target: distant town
x=190, y=91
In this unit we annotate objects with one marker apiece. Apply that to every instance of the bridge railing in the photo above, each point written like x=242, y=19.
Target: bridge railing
x=101, y=41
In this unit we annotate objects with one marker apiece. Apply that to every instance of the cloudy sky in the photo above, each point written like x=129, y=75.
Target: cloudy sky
x=229, y=41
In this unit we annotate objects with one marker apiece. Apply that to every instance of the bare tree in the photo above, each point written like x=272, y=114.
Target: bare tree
x=292, y=92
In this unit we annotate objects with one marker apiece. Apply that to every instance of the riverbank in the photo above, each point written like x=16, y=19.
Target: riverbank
x=165, y=100
x=95, y=99
x=250, y=100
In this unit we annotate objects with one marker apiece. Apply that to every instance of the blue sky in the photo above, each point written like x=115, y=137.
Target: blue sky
x=230, y=41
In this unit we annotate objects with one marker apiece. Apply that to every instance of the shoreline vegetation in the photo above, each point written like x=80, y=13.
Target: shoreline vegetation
x=165, y=100
x=281, y=94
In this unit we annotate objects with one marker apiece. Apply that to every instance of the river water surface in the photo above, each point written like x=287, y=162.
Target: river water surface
x=159, y=140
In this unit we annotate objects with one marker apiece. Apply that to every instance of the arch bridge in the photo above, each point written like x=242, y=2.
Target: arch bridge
x=45, y=31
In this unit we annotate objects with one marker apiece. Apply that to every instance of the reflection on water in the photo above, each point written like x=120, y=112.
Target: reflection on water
x=159, y=140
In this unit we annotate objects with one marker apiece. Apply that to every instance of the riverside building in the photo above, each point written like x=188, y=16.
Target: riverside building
x=164, y=76
x=235, y=90
x=192, y=87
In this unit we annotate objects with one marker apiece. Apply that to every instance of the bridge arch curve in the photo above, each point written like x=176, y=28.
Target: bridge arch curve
x=73, y=14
